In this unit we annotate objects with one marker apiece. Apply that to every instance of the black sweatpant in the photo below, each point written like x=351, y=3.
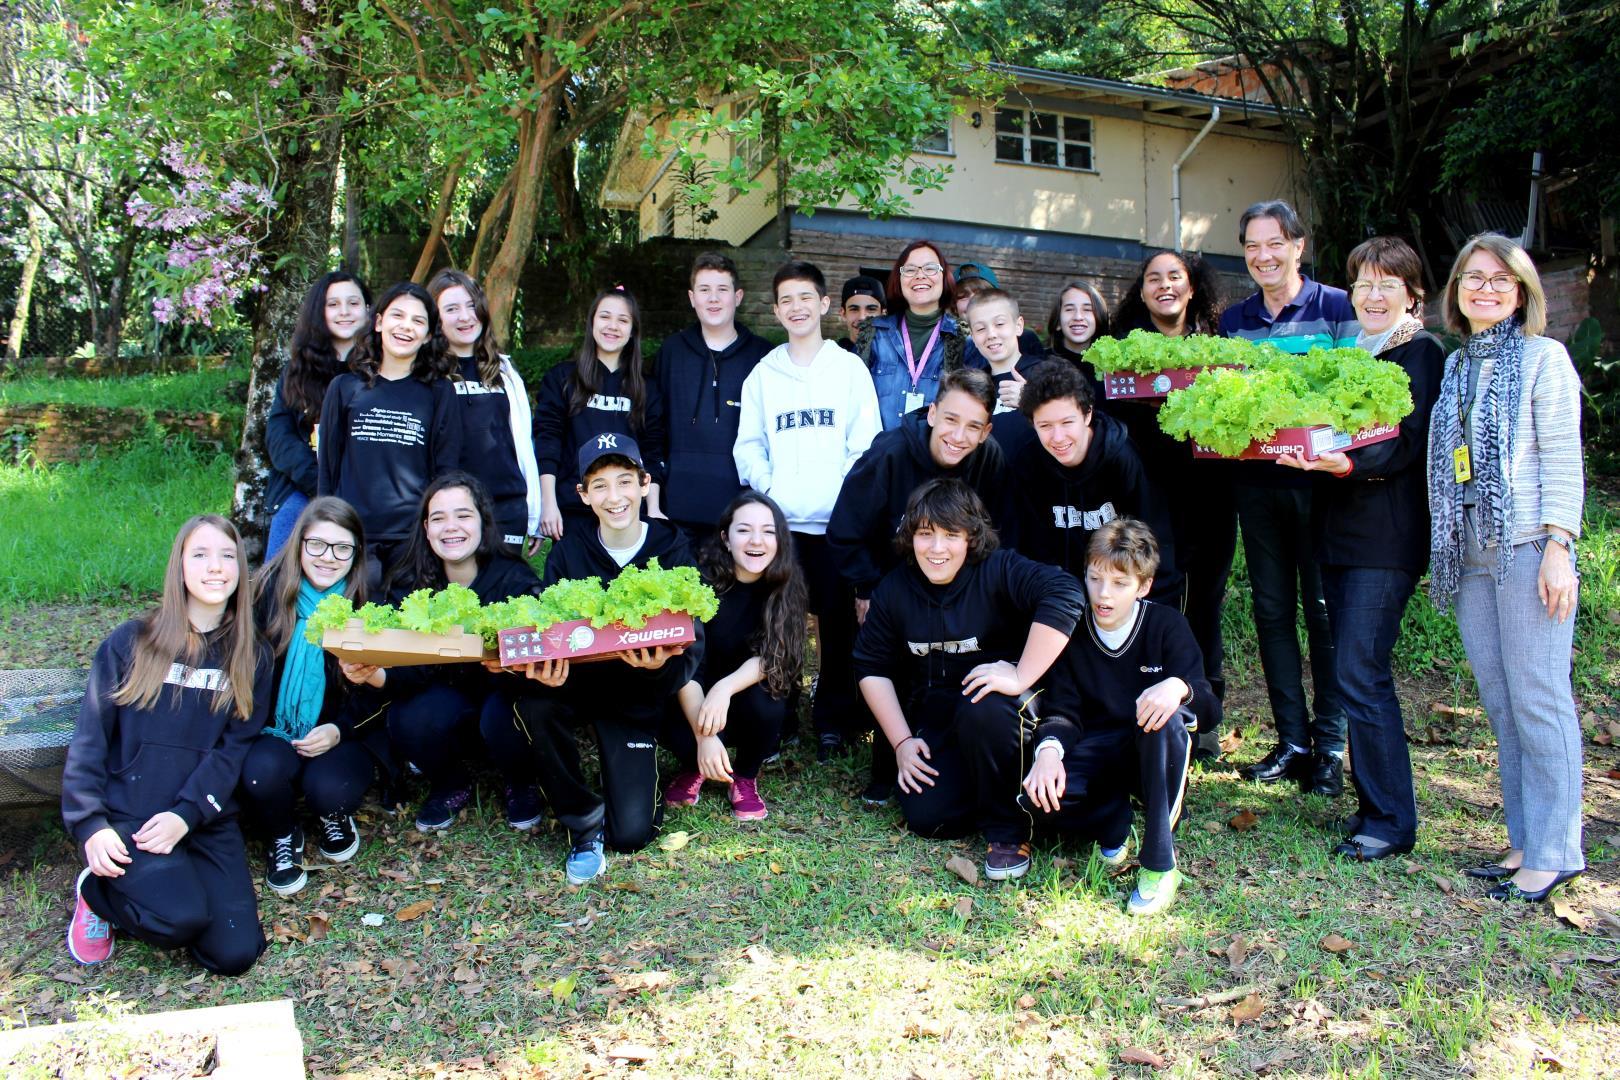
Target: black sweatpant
x=980, y=750
x=333, y=784
x=438, y=728
x=1110, y=765
x=1206, y=542
x=838, y=708
x=199, y=896
x=630, y=806
x=753, y=731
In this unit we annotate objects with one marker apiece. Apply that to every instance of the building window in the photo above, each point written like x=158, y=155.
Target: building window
x=752, y=149
x=1042, y=138
x=939, y=142
x=666, y=219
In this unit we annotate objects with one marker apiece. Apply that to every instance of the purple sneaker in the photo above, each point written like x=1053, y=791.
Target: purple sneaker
x=746, y=805
x=89, y=936
x=684, y=789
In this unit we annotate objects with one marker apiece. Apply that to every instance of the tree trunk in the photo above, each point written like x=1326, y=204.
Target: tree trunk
x=25, y=286
x=350, y=251
x=110, y=327
x=441, y=213
x=297, y=248
x=490, y=220
x=529, y=176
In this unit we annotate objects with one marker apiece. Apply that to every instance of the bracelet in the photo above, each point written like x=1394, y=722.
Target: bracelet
x=903, y=742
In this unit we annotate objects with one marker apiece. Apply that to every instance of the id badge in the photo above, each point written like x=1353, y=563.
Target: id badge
x=914, y=401
x=1462, y=465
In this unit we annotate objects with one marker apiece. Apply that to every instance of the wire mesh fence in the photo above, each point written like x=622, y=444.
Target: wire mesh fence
x=38, y=709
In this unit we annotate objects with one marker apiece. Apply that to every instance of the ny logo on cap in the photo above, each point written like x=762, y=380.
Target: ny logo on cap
x=607, y=442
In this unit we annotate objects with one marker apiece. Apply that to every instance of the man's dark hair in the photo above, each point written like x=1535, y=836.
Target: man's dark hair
x=714, y=260
x=799, y=270
x=974, y=382
x=952, y=506
x=1052, y=382
x=1278, y=210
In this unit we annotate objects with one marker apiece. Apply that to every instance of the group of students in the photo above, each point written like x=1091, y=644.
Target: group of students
x=1016, y=587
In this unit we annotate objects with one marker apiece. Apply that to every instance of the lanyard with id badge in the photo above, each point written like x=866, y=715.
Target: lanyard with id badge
x=1462, y=462
x=914, y=398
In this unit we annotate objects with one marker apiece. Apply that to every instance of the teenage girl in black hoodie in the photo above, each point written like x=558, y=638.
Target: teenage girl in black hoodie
x=952, y=643
x=175, y=699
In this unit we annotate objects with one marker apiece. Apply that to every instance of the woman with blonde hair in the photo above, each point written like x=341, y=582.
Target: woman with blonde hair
x=1505, y=498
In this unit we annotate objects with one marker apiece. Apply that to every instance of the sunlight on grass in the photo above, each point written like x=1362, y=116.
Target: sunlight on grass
x=203, y=390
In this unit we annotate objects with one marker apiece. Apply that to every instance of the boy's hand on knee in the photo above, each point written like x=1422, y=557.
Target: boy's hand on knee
x=911, y=757
x=999, y=677
x=161, y=832
x=1159, y=702
x=1047, y=779
x=104, y=851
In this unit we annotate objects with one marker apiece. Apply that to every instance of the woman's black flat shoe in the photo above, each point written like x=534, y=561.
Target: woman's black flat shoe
x=1508, y=891
x=1491, y=871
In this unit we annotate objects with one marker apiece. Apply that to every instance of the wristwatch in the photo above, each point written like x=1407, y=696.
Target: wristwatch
x=1565, y=542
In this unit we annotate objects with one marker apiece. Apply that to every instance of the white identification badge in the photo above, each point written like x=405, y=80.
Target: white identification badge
x=914, y=401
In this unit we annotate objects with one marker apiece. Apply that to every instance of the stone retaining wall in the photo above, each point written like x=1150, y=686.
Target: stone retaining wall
x=94, y=367
x=54, y=432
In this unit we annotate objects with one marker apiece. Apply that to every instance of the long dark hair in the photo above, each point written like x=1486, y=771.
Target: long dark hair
x=779, y=639
x=433, y=360
x=166, y=636
x=950, y=505
x=589, y=373
x=947, y=296
x=1054, y=322
x=285, y=573
x=418, y=566
x=485, y=352
x=312, y=360
x=1203, y=306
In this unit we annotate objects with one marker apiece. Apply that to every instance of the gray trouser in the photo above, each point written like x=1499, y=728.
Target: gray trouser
x=1521, y=660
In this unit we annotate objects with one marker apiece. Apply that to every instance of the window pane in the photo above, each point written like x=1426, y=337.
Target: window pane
x=1076, y=129
x=1044, y=123
x=1077, y=157
x=939, y=141
x=1042, y=152
x=1010, y=120
x=1009, y=148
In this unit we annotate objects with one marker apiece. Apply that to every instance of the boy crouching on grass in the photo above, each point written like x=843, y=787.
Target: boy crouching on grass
x=1120, y=705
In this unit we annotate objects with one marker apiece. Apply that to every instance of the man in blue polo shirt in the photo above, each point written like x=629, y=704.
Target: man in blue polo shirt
x=1295, y=314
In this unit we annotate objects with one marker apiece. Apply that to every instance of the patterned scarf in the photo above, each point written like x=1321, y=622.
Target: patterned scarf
x=1491, y=453
x=303, y=676
x=1393, y=338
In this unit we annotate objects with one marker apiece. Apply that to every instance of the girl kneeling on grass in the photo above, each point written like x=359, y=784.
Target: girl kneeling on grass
x=965, y=630
x=175, y=700
x=435, y=709
x=316, y=741
x=753, y=653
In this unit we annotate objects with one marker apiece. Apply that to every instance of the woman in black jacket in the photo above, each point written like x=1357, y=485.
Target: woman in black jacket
x=1370, y=519
x=315, y=740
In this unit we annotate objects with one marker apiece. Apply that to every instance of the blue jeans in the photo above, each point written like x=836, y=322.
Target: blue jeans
x=1283, y=574
x=282, y=522
x=1521, y=660
x=1364, y=606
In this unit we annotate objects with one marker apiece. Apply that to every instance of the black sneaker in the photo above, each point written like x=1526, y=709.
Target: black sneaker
x=439, y=810
x=524, y=807
x=339, y=838
x=831, y=746
x=1326, y=776
x=877, y=793
x=284, y=863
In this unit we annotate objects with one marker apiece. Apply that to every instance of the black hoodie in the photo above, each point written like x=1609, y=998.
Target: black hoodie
x=923, y=636
x=873, y=498
x=702, y=391
x=1055, y=509
x=558, y=434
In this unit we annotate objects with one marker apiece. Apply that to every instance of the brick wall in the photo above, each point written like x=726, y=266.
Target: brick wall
x=57, y=432
x=124, y=365
x=1569, y=296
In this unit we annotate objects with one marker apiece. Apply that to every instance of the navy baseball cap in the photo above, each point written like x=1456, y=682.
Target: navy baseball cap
x=608, y=444
x=864, y=285
x=967, y=270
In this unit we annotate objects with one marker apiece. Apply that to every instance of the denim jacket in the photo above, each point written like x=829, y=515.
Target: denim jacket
x=881, y=348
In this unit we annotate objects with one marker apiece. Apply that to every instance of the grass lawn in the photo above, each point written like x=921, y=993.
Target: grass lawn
x=207, y=389
x=826, y=941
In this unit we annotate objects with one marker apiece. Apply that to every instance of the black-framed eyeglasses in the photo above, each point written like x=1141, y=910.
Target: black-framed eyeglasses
x=316, y=548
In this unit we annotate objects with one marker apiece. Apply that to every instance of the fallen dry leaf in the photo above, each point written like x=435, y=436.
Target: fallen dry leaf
x=1244, y=820
x=674, y=841
x=644, y=980
x=1248, y=1009
x=414, y=911
x=963, y=907
x=966, y=869
x=1569, y=913
x=776, y=868
x=1440, y=708
x=1236, y=953
x=1135, y=1055
x=1336, y=944
x=1443, y=883
x=1027, y=1001
x=530, y=962
x=631, y=1052
x=318, y=926
x=924, y=1027
x=1213, y=826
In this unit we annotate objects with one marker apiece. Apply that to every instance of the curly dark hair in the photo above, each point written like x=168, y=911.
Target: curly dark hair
x=418, y=567
x=433, y=359
x=312, y=362
x=952, y=506
x=779, y=639
x=1203, y=306
x=1052, y=382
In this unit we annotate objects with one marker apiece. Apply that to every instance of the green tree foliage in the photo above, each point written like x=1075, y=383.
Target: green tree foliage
x=1087, y=37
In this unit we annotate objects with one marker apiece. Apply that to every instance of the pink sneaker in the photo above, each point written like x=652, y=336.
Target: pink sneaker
x=746, y=805
x=684, y=789
x=89, y=936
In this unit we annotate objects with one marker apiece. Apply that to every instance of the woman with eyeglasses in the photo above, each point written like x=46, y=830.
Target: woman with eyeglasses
x=908, y=349
x=1506, y=489
x=1370, y=533
x=315, y=742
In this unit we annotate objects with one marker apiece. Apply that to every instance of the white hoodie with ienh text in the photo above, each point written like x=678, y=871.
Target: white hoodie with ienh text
x=802, y=429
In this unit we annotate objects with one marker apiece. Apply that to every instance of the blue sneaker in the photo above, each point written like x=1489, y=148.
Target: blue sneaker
x=587, y=861
x=1111, y=856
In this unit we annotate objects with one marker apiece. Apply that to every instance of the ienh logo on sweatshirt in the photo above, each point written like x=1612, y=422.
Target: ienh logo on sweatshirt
x=1067, y=517
x=803, y=418
x=923, y=648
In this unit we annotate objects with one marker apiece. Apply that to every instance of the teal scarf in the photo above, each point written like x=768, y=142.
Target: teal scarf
x=303, y=678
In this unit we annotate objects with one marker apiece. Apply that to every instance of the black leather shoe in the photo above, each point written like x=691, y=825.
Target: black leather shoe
x=1326, y=776
x=1283, y=763
x=1506, y=890
x=1366, y=849
x=1491, y=872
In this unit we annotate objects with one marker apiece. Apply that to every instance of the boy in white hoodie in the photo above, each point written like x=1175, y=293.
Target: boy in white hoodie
x=809, y=411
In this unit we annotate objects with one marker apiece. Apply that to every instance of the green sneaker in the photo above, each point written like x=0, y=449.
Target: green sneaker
x=1155, y=891
x=1111, y=857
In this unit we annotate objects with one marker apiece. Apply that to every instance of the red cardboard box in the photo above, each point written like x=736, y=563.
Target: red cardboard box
x=578, y=640
x=1312, y=442
x=402, y=648
x=1128, y=384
